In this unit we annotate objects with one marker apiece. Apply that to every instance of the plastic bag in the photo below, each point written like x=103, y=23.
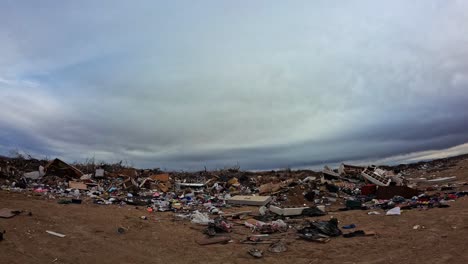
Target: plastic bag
x=200, y=218
x=329, y=228
x=394, y=211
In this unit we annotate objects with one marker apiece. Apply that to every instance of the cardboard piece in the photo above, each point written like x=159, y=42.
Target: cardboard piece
x=77, y=185
x=128, y=172
x=163, y=187
x=273, y=187
x=160, y=177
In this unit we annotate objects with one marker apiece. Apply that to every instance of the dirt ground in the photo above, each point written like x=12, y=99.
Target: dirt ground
x=92, y=237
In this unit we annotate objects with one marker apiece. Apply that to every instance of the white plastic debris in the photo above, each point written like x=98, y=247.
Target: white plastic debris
x=200, y=218
x=183, y=216
x=99, y=173
x=257, y=224
x=34, y=175
x=309, y=179
x=86, y=177
x=262, y=210
x=214, y=210
x=279, y=224
x=394, y=211
x=55, y=233
x=321, y=208
x=373, y=213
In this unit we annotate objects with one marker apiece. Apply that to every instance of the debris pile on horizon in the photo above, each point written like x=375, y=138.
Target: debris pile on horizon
x=269, y=203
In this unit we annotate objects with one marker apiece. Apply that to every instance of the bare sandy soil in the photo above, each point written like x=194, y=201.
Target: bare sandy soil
x=92, y=237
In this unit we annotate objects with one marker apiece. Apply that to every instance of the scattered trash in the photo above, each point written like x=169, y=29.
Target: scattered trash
x=316, y=237
x=320, y=231
x=218, y=225
x=55, y=233
x=320, y=207
x=77, y=185
x=329, y=228
x=394, y=211
x=257, y=253
x=34, y=175
x=121, y=230
x=288, y=211
x=262, y=210
x=351, y=226
x=7, y=213
x=99, y=173
x=444, y=179
x=353, y=204
x=388, y=192
x=250, y=200
x=76, y=201
x=376, y=176
x=314, y=211
x=355, y=233
x=359, y=233
x=160, y=177
x=266, y=228
x=200, y=218
x=278, y=247
x=283, y=200
x=58, y=167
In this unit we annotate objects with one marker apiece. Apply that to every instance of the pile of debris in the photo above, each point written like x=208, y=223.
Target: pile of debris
x=283, y=200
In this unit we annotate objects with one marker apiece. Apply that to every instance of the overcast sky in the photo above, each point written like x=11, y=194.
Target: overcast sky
x=262, y=84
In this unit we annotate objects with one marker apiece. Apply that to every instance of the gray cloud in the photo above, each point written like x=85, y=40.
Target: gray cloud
x=265, y=85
